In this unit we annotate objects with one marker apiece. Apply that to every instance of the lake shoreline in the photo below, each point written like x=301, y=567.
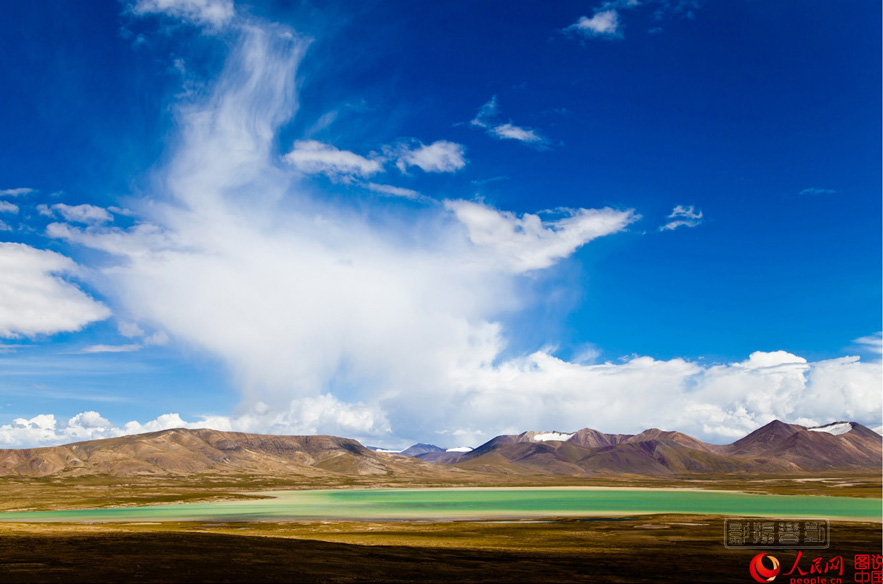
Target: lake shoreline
x=474, y=504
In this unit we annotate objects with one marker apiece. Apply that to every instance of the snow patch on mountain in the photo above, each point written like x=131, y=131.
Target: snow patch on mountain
x=459, y=449
x=837, y=428
x=546, y=436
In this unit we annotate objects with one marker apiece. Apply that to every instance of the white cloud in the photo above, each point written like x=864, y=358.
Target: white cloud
x=871, y=343
x=313, y=157
x=713, y=402
x=34, y=299
x=487, y=114
x=322, y=414
x=7, y=207
x=5, y=226
x=509, y=131
x=157, y=338
x=15, y=192
x=478, y=400
x=109, y=349
x=529, y=243
x=121, y=211
x=142, y=239
x=294, y=295
x=163, y=422
x=606, y=22
x=130, y=329
x=603, y=24
x=394, y=191
x=22, y=432
x=440, y=156
x=88, y=214
x=213, y=13
x=490, y=118
x=45, y=429
x=683, y=217
x=86, y=426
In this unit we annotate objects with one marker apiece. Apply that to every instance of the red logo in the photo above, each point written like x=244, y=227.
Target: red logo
x=760, y=572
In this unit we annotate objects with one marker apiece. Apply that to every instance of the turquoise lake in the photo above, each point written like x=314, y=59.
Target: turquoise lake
x=484, y=503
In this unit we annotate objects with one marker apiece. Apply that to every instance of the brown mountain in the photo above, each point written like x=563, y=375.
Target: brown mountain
x=184, y=452
x=779, y=446
x=775, y=448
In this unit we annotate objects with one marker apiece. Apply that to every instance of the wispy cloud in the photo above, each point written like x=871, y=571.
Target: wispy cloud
x=440, y=156
x=10, y=347
x=817, y=191
x=130, y=331
x=314, y=157
x=211, y=13
x=484, y=181
x=529, y=243
x=7, y=207
x=491, y=120
x=606, y=20
x=871, y=343
x=603, y=24
x=120, y=211
x=107, y=349
x=393, y=191
x=15, y=192
x=683, y=216
x=88, y=214
x=509, y=131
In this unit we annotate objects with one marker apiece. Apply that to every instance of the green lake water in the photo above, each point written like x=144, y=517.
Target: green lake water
x=486, y=503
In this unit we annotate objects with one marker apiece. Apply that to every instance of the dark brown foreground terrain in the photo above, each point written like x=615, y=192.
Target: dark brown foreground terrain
x=658, y=549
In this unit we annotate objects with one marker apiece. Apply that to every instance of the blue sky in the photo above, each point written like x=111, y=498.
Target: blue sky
x=438, y=221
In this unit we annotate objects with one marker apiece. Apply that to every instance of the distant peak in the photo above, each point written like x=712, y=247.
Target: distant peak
x=778, y=426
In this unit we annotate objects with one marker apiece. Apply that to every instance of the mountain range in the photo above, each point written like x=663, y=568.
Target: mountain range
x=773, y=449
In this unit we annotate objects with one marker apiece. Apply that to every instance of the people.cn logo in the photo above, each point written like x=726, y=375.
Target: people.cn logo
x=760, y=572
